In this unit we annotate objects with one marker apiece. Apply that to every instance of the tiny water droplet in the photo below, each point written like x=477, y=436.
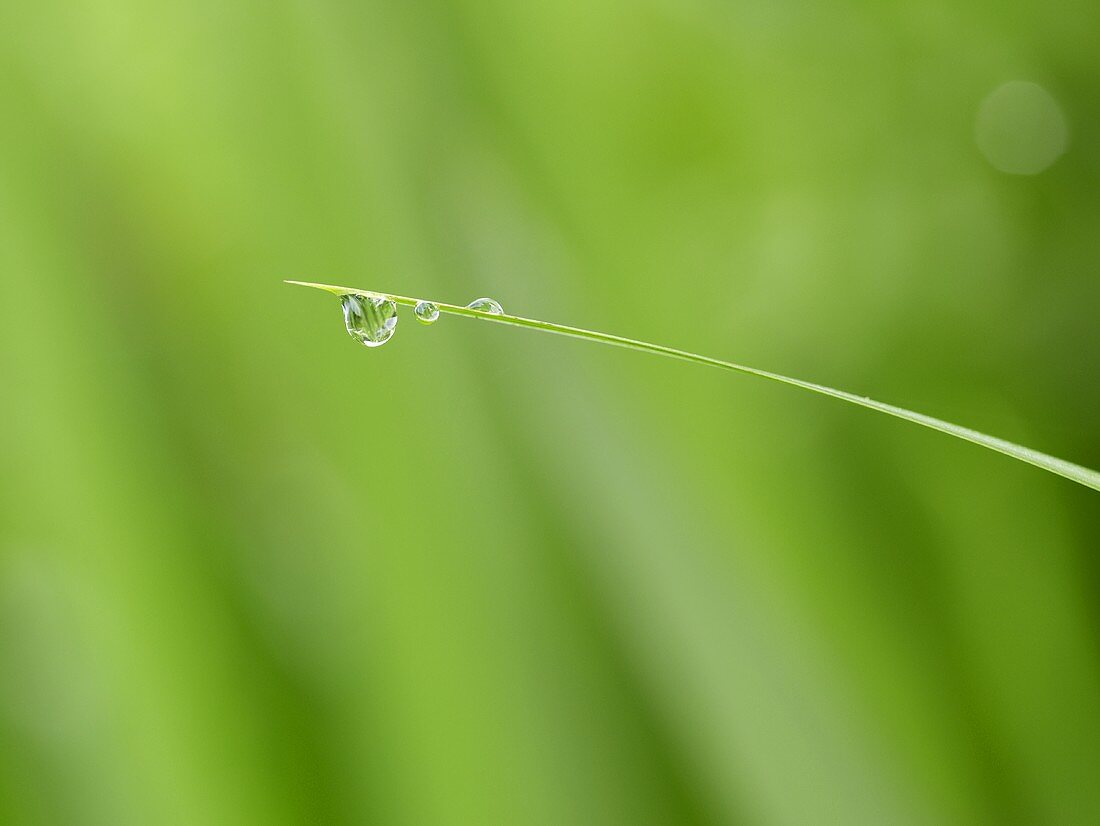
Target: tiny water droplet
x=426, y=312
x=486, y=305
x=369, y=319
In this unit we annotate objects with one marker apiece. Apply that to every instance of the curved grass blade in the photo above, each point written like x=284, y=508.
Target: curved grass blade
x=1077, y=473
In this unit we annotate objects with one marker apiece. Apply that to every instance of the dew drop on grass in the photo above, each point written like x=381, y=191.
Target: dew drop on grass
x=426, y=312
x=486, y=305
x=369, y=319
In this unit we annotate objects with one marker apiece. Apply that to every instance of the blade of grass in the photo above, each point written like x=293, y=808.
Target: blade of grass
x=1077, y=473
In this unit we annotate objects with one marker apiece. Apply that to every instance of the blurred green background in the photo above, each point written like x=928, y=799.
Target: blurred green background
x=251, y=572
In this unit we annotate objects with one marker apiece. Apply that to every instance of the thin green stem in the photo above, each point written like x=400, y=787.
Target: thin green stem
x=1082, y=475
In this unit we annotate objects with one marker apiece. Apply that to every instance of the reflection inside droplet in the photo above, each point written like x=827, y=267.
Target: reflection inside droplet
x=369, y=319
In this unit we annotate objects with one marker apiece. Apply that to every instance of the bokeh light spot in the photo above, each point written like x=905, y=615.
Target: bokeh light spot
x=1020, y=128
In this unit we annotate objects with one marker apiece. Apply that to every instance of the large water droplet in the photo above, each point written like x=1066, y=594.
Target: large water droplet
x=486, y=305
x=370, y=319
x=426, y=312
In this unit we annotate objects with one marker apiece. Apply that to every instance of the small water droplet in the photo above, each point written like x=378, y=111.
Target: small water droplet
x=369, y=319
x=426, y=312
x=486, y=305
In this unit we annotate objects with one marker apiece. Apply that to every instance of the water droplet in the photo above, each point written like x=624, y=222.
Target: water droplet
x=426, y=312
x=370, y=319
x=486, y=305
